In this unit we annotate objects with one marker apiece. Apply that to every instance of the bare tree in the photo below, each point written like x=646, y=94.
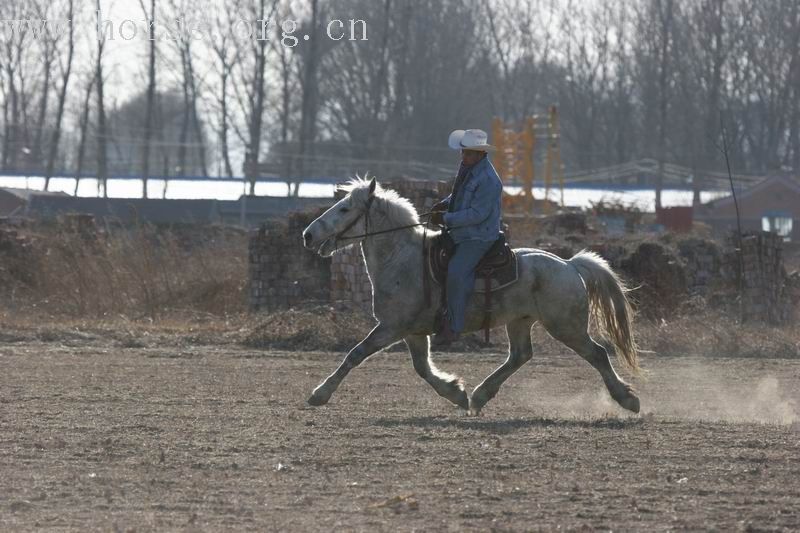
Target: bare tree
x=48, y=41
x=310, y=88
x=764, y=85
x=83, y=128
x=620, y=127
x=62, y=97
x=256, y=94
x=151, y=91
x=665, y=12
x=288, y=82
x=655, y=21
x=587, y=59
x=15, y=105
x=102, y=130
x=793, y=160
x=226, y=55
x=424, y=94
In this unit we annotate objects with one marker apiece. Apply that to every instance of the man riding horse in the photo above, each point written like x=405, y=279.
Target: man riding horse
x=560, y=294
x=471, y=214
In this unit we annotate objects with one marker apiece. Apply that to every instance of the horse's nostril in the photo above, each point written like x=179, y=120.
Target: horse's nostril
x=307, y=238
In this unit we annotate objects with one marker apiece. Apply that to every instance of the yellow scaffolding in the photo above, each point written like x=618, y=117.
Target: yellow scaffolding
x=514, y=158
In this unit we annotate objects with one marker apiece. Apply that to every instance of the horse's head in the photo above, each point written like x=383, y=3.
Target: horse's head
x=348, y=216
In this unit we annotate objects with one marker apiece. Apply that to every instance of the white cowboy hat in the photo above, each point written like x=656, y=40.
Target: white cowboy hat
x=470, y=140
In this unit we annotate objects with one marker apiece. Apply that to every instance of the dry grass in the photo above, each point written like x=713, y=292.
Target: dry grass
x=334, y=328
x=143, y=272
x=707, y=333
x=145, y=287
x=314, y=328
x=714, y=334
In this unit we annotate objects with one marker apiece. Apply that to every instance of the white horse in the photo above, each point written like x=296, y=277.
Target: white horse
x=560, y=294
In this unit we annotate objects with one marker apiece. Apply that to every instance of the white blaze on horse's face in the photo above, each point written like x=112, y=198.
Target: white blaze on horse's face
x=330, y=230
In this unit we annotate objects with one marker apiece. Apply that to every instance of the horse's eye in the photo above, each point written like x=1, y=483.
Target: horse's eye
x=344, y=210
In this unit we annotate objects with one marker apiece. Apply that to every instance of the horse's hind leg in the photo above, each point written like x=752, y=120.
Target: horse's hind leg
x=597, y=356
x=520, y=352
x=446, y=385
x=378, y=339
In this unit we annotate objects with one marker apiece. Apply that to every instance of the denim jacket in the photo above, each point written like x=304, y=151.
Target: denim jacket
x=476, y=214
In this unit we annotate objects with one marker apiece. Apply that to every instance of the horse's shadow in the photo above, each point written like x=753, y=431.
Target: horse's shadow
x=509, y=425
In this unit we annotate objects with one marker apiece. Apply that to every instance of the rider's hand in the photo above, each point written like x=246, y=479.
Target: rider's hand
x=437, y=217
x=439, y=206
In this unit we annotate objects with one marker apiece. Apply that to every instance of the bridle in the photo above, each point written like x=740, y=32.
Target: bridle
x=340, y=235
x=367, y=233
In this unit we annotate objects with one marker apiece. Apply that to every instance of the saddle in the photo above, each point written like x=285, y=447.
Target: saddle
x=497, y=269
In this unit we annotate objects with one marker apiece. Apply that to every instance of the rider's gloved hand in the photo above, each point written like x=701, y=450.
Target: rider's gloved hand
x=437, y=217
x=440, y=206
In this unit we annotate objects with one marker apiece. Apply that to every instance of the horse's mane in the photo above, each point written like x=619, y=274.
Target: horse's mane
x=397, y=210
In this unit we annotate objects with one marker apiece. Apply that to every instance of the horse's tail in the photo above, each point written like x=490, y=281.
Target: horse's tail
x=609, y=305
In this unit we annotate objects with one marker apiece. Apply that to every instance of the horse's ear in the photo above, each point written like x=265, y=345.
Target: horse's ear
x=372, y=183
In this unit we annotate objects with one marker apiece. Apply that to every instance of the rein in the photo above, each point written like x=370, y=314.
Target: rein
x=366, y=225
x=367, y=233
x=398, y=228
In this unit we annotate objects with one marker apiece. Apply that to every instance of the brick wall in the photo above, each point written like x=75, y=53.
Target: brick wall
x=764, y=296
x=704, y=263
x=282, y=272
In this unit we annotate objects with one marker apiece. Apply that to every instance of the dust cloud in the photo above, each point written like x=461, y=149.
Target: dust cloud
x=721, y=390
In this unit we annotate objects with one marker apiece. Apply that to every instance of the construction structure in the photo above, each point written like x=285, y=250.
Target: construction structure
x=515, y=157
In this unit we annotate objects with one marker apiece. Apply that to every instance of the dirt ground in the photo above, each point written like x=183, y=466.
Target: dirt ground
x=98, y=435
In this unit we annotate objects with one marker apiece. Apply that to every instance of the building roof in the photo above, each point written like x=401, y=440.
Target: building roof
x=778, y=180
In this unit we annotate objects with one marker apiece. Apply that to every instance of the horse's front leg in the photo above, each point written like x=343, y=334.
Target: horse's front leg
x=379, y=338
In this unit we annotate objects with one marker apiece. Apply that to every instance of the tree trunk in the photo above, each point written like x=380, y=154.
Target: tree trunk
x=196, y=125
x=793, y=150
x=665, y=17
x=7, y=131
x=102, y=133
x=62, y=97
x=184, y=119
x=309, y=100
x=287, y=156
x=257, y=110
x=36, y=154
x=223, y=132
x=84, y=126
x=151, y=92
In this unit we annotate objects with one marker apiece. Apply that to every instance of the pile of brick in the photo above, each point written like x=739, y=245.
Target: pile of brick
x=282, y=272
x=764, y=283
x=17, y=257
x=660, y=276
x=703, y=262
x=349, y=279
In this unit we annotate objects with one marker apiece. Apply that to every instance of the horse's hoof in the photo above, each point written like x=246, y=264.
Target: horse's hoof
x=472, y=411
x=631, y=403
x=462, y=401
x=317, y=399
x=477, y=401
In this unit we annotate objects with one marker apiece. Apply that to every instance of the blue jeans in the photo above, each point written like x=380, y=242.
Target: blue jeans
x=461, y=279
